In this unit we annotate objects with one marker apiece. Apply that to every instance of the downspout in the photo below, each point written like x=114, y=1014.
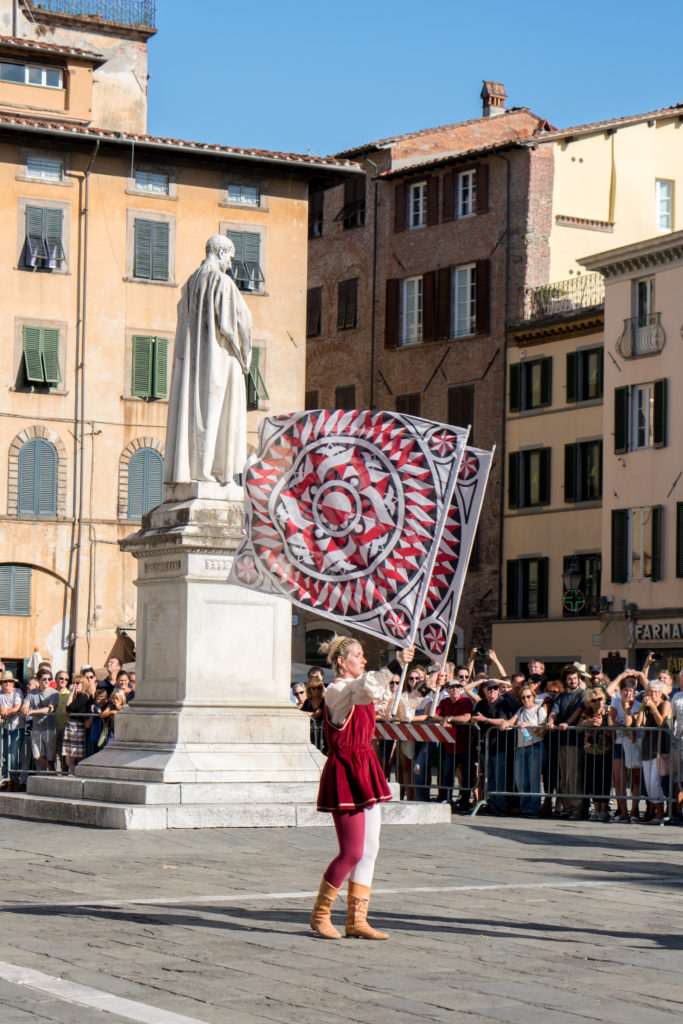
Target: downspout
x=374, y=288
x=503, y=436
x=15, y=17
x=80, y=410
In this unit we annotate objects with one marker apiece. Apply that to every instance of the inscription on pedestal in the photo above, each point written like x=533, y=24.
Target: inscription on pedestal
x=159, y=568
x=162, y=630
x=217, y=565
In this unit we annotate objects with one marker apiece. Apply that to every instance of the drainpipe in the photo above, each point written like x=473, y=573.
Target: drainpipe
x=80, y=409
x=374, y=288
x=503, y=438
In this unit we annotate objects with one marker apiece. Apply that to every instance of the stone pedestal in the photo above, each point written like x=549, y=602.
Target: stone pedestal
x=211, y=739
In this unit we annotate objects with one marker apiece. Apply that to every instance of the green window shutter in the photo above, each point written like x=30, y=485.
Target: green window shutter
x=515, y=387
x=252, y=259
x=160, y=385
x=161, y=232
x=239, y=269
x=620, y=421
x=679, y=539
x=27, y=480
x=15, y=590
x=659, y=418
x=35, y=235
x=141, y=382
x=236, y=239
x=572, y=380
x=142, y=259
x=544, y=488
x=546, y=381
x=656, y=543
x=145, y=482
x=512, y=589
x=47, y=478
x=256, y=388
x=570, y=461
x=513, y=480
x=33, y=364
x=53, y=237
x=50, y=354
x=6, y=589
x=620, y=519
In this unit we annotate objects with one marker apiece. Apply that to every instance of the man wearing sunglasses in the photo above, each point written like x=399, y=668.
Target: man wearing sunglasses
x=456, y=709
x=492, y=711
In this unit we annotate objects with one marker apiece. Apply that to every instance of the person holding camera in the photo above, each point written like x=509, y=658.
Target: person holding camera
x=627, y=748
x=654, y=717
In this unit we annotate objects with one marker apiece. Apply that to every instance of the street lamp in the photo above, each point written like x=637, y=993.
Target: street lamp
x=572, y=575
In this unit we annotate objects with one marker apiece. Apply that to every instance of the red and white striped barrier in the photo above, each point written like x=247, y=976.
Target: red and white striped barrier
x=423, y=731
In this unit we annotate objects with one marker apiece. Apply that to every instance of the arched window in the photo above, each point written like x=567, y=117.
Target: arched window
x=37, y=478
x=145, y=482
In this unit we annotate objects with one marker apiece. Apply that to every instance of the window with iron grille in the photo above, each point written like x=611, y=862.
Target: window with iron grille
x=149, y=367
x=590, y=568
x=246, y=263
x=43, y=248
x=15, y=590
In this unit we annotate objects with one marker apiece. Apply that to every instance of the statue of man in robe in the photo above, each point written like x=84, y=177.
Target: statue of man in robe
x=206, y=437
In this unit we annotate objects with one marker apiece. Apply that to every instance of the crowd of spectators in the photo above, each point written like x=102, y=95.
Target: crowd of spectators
x=578, y=746
x=53, y=722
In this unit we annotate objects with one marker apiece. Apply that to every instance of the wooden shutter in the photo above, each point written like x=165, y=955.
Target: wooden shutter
x=544, y=470
x=620, y=420
x=679, y=539
x=400, y=201
x=515, y=387
x=570, y=463
x=160, y=376
x=33, y=364
x=656, y=573
x=572, y=379
x=432, y=200
x=429, y=306
x=155, y=479
x=347, y=304
x=513, y=480
x=141, y=378
x=542, y=592
x=482, y=195
x=601, y=374
x=620, y=520
x=512, y=589
x=142, y=259
x=237, y=237
x=341, y=305
x=47, y=478
x=145, y=482
x=448, y=196
x=160, y=250
x=461, y=407
x=27, y=479
x=659, y=417
x=315, y=214
x=546, y=381
x=444, y=315
x=392, y=313
x=50, y=354
x=35, y=235
x=482, y=297
x=15, y=590
x=313, y=311
x=53, y=237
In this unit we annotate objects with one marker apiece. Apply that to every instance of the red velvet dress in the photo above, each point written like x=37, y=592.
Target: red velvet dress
x=352, y=778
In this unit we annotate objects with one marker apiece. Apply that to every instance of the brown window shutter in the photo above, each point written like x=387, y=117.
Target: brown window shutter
x=482, y=188
x=448, y=196
x=482, y=297
x=461, y=407
x=352, y=303
x=443, y=309
x=392, y=314
x=342, y=299
x=432, y=200
x=429, y=306
x=400, y=199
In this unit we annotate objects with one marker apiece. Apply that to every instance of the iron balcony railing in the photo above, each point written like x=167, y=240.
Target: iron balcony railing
x=641, y=336
x=120, y=12
x=582, y=292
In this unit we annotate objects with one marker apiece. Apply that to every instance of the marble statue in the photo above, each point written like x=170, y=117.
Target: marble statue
x=206, y=437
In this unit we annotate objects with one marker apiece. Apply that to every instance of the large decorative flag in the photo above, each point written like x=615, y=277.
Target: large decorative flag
x=344, y=513
x=450, y=566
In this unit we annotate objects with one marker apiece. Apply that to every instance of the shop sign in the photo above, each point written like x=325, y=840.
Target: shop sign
x=653, y=631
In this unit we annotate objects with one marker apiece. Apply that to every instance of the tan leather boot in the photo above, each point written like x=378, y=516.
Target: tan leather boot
x=357, y=926
x=321, y=919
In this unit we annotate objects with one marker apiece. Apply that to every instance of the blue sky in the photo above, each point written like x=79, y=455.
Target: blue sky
x=318, y=76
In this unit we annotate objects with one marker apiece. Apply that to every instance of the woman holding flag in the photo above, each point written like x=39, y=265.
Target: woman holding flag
x=352, y=784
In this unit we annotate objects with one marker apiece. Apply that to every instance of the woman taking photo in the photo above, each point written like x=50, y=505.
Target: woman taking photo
x=654, y=717
x=352, y=785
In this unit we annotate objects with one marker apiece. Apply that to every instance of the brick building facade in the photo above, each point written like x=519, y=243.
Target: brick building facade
x=413, y=281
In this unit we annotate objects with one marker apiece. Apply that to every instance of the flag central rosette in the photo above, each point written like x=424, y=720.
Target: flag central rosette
x=344, y=512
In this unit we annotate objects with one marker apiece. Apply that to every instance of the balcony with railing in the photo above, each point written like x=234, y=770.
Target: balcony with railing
x=562, y=298
x=133, y=13
x=642, y=336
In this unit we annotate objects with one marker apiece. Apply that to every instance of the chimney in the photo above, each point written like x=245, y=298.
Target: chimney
x=493, y=95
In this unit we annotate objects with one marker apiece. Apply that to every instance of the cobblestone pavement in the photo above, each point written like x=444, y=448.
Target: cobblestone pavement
x=490, y=921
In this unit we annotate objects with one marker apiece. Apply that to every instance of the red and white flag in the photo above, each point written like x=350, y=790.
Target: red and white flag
x=344, y=513
x=450, y=566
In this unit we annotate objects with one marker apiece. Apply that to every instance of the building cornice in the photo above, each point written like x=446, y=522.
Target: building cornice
x=555, y=328
x=645, y=255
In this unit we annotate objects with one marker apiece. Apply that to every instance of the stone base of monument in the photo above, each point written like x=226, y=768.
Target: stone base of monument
x=211, y=739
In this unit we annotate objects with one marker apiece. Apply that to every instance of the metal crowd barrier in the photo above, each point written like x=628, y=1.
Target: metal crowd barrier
x=17, y=760
x=529, y=766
